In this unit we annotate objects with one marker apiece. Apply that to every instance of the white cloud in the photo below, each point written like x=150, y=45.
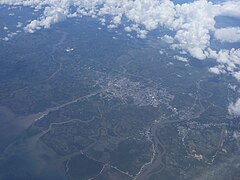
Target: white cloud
x=168, y=39
x=52, y=15
x=236, y=75
x=128, y=29
x=19, y=24
x=179, y=58
x=229, y=8
x=161, y=51
x=228, y=60
x=197, y=52
x=215, y=70
x=230, y=34
x=191, y=23
x=6, y=39
x=234, y=108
